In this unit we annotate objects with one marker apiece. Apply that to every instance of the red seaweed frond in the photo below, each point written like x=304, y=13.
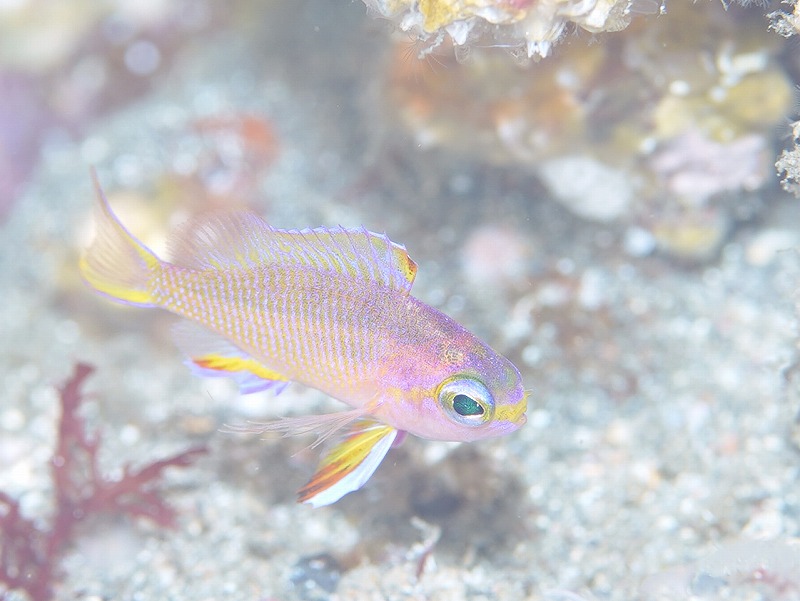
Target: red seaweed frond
x=29, y=555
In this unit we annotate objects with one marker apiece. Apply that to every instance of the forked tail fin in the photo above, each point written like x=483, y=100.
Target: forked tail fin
x=117, y=264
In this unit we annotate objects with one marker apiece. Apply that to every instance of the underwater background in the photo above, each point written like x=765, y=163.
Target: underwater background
x=609, y=217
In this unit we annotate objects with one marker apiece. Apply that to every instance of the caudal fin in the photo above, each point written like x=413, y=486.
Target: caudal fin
x=117, y=264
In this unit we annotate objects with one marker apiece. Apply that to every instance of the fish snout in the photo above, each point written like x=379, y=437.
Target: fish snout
x=514, y=413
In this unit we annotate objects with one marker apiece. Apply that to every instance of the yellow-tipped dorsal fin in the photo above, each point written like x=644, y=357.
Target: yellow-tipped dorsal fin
x=242, y=239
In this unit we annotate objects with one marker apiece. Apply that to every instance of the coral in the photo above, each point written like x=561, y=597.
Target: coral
x=788, y=165
x=29, y=555
x=785, y=23
x=695, y=168
x=678, y=114
x=525, y=27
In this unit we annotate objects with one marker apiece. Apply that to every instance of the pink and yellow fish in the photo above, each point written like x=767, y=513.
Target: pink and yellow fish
x=328, y=307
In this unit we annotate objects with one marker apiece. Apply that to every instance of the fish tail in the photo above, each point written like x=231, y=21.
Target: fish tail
x=117, y=264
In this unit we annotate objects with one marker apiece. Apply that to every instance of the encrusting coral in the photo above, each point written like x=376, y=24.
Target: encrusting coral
x=525, y=27
x=667, y=125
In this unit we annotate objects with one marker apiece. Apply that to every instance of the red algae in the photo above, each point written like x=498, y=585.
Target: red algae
x=29, y=555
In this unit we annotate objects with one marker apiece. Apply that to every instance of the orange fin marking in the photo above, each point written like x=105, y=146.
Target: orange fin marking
x=349, y=464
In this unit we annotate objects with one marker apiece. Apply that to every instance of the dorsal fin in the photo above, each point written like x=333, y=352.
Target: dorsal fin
x=243, y=240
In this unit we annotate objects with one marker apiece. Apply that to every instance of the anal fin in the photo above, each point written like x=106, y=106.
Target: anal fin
x=349, y=464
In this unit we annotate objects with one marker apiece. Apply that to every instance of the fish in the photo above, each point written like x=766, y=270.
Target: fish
x=328, y=307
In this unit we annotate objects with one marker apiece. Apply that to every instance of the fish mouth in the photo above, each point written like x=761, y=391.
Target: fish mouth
x=514, y=413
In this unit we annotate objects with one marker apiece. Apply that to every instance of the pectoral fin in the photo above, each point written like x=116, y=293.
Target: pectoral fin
x=324, y=426
x=349, y=464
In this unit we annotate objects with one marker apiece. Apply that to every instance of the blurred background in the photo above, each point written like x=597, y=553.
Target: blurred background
x=609, y=216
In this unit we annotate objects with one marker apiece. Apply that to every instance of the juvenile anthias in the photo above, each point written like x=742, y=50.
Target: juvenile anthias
x=328, y=307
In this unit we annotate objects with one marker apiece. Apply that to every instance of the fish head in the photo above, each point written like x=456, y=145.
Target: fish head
x=481, y=403
x=466, y=396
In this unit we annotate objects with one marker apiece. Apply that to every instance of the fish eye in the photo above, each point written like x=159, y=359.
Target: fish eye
x=466, y=406
x=466, y=400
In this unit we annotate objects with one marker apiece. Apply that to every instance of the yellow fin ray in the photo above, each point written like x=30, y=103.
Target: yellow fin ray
x=324, y=426
x=349, y=464
x=243, y=240
x=211, y=355
x=117, y=264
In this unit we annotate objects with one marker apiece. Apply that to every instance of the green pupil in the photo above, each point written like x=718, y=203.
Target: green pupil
x=464, y=405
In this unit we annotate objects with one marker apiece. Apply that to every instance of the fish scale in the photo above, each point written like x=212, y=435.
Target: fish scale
x=328, y=307
x=299, y=332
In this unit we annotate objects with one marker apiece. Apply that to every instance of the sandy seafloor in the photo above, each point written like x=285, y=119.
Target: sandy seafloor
x=660, y=457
